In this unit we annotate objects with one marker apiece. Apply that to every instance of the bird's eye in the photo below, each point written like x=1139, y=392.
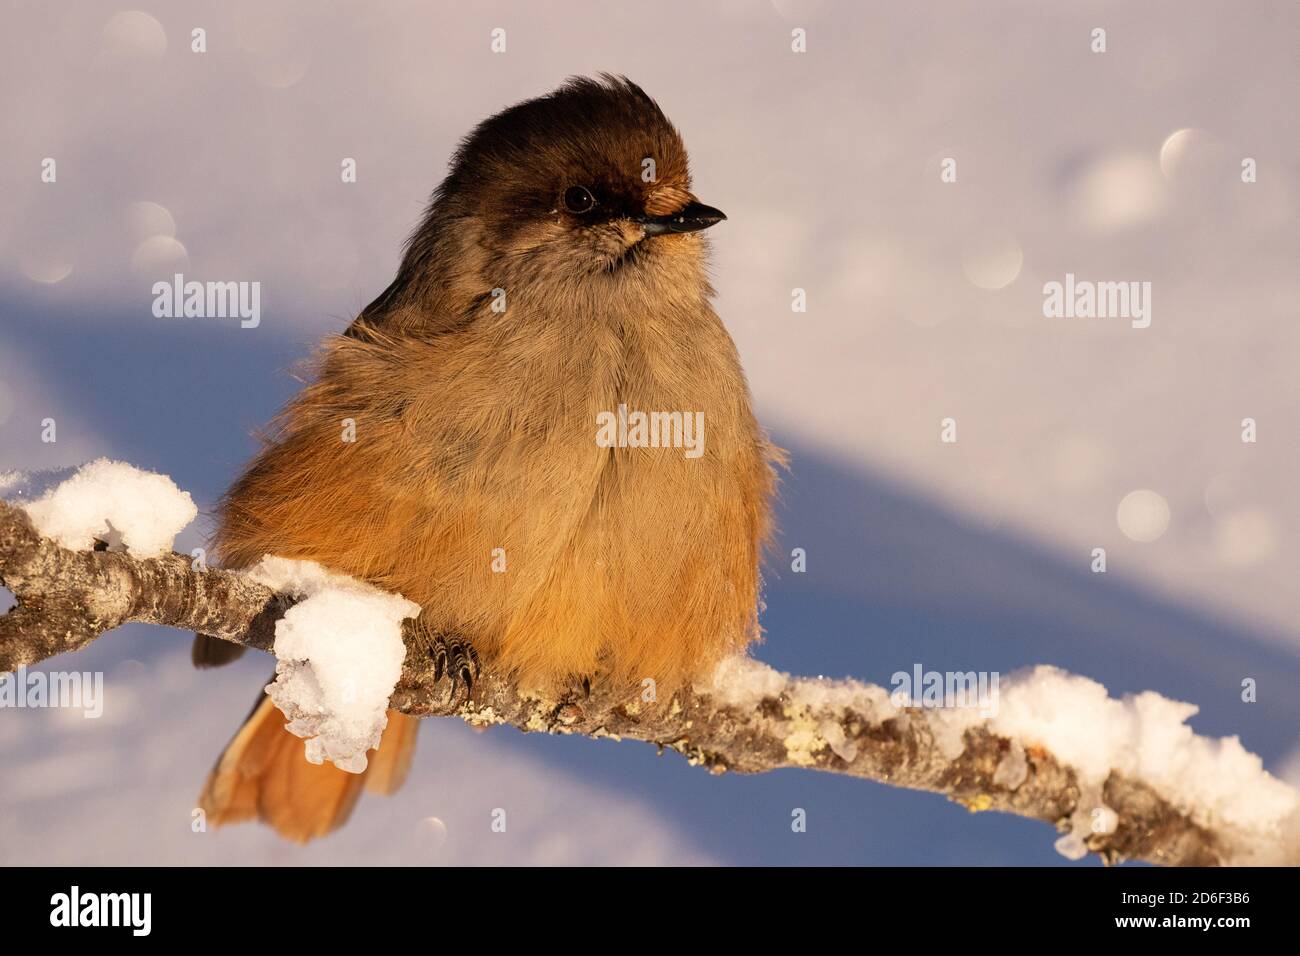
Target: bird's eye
x=578, y=199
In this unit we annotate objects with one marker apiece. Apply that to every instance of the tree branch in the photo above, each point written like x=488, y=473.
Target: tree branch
x=66, y=599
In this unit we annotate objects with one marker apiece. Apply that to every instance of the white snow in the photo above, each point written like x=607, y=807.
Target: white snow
x=1071, y=846
x=339, y=654
x=1143, y=736
x=140, y=511
x=1013, y=769
x=742, y=682
x=1104, y=820
x=17, y=487
x=10, y=481
x=20, y=486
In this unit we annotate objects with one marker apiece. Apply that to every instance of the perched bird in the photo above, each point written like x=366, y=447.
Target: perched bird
x=558, y=274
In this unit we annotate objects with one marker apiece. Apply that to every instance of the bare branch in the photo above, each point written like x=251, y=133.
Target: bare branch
x=66, y=599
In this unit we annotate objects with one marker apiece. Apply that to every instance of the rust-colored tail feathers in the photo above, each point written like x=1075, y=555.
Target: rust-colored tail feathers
x=264, y=774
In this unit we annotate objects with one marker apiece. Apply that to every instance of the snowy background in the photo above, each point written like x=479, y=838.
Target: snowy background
x=924, y=302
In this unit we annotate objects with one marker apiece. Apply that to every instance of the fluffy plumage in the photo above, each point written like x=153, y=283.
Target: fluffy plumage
x=476, y=425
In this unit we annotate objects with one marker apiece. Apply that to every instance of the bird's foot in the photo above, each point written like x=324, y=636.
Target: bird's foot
x=575, y=688
x=456, y=658
x=574, y=695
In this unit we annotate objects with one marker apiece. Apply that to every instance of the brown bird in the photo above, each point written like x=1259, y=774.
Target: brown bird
x=558, y=274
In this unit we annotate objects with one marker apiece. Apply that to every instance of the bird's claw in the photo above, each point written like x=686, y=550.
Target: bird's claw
x=458, y=660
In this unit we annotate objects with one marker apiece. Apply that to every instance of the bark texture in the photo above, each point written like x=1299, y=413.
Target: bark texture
x=66, y=599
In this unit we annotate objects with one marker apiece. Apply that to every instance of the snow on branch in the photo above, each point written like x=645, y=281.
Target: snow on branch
x=1125, y=779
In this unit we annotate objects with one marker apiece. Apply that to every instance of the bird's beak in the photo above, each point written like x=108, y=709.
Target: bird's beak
x=692, y=217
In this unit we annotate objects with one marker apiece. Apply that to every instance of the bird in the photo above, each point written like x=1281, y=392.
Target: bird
x=560, y=273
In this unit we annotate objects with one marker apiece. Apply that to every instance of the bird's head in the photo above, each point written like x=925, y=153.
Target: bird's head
x=586, y=182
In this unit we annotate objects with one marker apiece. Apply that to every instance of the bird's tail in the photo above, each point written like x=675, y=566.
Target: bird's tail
x=264, y=774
